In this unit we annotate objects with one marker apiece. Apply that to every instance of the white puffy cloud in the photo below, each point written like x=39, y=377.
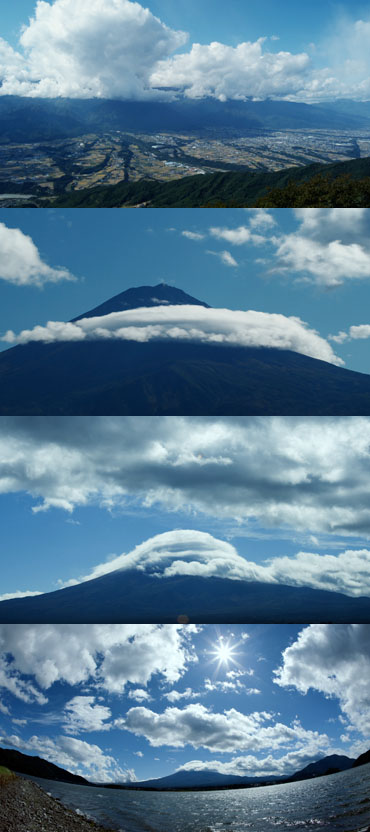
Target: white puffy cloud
x=239, y=236
x=21, y=263
x=188, y=323
x=269, y=766
x=233, y=72
x=305, y=473
x=139, y=694
x=176, y=695
x=111, y=655
x=119, y=49
x=77, y=756
x=200, y=727
x=89, y=49
x=260, y=218
x=329, y=247
x=191, y=552
x=82, y=714
x=335, y=660
x=359, y=332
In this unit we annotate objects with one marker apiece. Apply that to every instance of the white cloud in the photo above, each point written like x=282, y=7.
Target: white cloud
x=191, y=552
x=119, y=49
x=76, y=756
x=305, y=473
x=89, y=49
x=82, y=714
x=233, y=72
x=193, y=235
x=21, y=263
x=6, y=596
x=111, y=655
x=330, y=246
x=176, y=695
x=260, y=218
x=359, y=332
x=226, y=258
x=335, y=660
x=189, y=323
x=139, y=694
x=198, y=726
x=271, y=765
x=238, y=236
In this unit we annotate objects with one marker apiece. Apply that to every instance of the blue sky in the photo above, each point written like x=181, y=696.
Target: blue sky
x=312, y=264
x=115, y=702
x=248, y=49
x=296, y=26
x=235, y=497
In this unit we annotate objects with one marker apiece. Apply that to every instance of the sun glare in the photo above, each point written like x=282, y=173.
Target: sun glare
x=223, y=652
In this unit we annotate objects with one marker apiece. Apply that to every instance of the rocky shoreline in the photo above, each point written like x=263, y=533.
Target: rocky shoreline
x=25, y=807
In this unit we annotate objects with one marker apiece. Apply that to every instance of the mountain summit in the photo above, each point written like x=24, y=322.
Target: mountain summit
x=178, y=375
x=143, y=296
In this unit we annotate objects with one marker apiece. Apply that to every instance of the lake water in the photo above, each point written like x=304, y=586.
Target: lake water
x=338, y=803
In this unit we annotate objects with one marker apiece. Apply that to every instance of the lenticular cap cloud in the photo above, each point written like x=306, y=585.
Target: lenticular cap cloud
x=188, y=323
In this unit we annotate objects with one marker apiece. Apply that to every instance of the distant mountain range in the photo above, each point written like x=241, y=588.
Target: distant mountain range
x=112, y=376
x=125, y=596
x=213, y=779
x=235, y=189
x=183, y=779
x=41, y=119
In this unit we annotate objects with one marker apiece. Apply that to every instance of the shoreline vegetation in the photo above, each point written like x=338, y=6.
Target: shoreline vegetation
x=26, y=807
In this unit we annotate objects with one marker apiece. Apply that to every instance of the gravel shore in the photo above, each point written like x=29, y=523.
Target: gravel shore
x=24, y=807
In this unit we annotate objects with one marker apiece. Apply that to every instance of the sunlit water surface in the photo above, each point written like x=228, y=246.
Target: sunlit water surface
x=338, y=803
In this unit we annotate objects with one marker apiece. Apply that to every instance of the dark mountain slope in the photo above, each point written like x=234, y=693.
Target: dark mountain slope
x=37, y=767
x=174, y=378
x=235, y=188
x=133, y=596
x=362, y=760
x=40, y=119
x=334, y=762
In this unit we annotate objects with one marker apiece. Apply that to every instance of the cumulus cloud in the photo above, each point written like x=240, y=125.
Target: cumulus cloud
x=111, y=655
x=119, y=49
x=304, y=473
x=89, y=49
x=233, y=72
x=82, y=714
x=200, y=727
x=176, y=695
x=359, y=332
x=271, y=765
x=77, y=756
x=329, y=247
x=239, y=236
x=334, y=660
x=188, y=323
x=21, y=263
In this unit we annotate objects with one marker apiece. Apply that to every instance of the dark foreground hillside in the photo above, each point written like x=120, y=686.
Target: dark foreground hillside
x=231, y=189
x=108, y=377
x=134, y=597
